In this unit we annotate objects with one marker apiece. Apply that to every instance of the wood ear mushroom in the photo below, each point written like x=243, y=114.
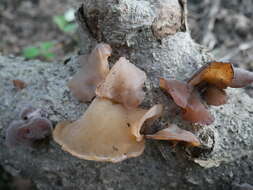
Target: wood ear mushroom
x=208, y=86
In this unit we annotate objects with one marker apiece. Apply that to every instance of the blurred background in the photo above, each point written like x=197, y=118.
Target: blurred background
x=41, y=29
x=46, y=30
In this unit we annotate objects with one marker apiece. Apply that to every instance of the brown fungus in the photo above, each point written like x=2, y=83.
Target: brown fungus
x=147, y=116
x=188, y=100
x=215, y=96
x=94, y=69
x=241, y=78
x=196, y=112
x=174, y=133
x=218, y=74
x=104, y=132
x=179, y=91
x=123, y=84
x=31, y=128
x=207, y=84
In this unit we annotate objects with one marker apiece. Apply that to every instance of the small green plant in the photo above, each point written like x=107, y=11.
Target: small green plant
x=65, y=22
x=31, y=52
x=44, y=50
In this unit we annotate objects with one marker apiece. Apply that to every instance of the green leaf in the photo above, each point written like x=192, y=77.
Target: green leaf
x=49, y=55
x=45, y=50
x=60, y=21
x=45, y=46
x=64, y=25
x=70, y=28
x=31, y=52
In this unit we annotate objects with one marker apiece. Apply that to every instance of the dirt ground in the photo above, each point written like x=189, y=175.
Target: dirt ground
x=225, y=27
x=26, y=23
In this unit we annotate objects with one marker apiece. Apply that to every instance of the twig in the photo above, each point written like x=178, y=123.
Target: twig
x=208, y=34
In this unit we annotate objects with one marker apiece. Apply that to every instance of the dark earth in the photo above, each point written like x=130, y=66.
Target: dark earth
x=225, y=27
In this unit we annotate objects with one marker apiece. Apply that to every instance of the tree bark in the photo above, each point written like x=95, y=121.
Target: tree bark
x=154, y=36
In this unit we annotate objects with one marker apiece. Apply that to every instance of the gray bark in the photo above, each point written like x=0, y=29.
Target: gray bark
x=161, y=47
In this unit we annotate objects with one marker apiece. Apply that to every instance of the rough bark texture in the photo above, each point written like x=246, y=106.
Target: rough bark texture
x=128, y=25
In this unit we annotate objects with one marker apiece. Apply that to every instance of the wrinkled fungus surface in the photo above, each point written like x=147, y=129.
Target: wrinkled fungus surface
x=180, y=91
x=29, y=129
x=123, y=84
x=215, y=96
x=174, y=133
x=192, y=108
x=206, y=85
x=94, y=69
x=104, y=132
x=218, y=74
x=196, y=111
x=110, y=128
x=147, y=116
x=241, y=78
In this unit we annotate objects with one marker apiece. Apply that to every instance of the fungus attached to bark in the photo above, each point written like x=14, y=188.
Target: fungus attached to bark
x=29, y=129
x=218, y=74
x=180, y=91
x=215, y=96
x=94, y=69
x=241, y=78
x=104, y=132
x=196, y=112
x=123, y=84
x=146, y=117
x=188, y=100
x=207, y=84
x=174, y=133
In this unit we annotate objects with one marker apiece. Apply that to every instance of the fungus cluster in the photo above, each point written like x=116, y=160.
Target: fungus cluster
x=104, y=132
x=114, y=127
x=110, y=129
x=206, y=86
x=31, y=127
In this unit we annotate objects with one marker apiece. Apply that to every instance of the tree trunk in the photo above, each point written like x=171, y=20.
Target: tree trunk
x=154, y=36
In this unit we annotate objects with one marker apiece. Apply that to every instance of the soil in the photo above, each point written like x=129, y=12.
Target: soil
x=225, y=27
x=26, y=23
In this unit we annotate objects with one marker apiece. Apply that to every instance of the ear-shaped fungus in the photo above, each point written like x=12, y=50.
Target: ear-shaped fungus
x=241, y=78
x=196, y=112
x=180, y=91
x=123, y=84
x=209, y=82
x=215, y=96
x=183, y=95
x=30, y=128
x=104, y=132
x=174, y=133
x=218, y=74
x=95, y=68
x=147, y=116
